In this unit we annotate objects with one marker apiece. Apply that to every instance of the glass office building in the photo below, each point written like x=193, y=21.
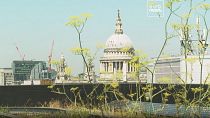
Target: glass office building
x=22, y=69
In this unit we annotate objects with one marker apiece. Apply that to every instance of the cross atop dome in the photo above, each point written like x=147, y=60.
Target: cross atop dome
x=118, y=29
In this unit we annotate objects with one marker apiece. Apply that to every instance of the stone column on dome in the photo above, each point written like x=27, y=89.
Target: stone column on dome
x=134, y=67
x=128, y=67
x=115, y=65
x=101, y=67
x=105, y=66
x=124, y=71
x=119, y=65
x=110, y=66
x=131, y=67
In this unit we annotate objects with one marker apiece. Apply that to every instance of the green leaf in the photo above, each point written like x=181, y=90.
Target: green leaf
x=205, y=6
x=176, y=26
x=191, y=59
x=55, y=62
x=186, y=16
x=79, y=51
x=165, y=79
x=50, y=87
x=75, y=21
x=166, y=94
x=68, y=71
x=86, y=15
x=74, y=89
x=114, y=84
x=168, y=4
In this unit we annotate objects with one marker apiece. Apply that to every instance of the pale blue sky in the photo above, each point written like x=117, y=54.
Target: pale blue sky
x=33, y=24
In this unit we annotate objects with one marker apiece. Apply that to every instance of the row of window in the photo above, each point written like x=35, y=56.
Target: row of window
x=118, y=53
x=117, y=66
x=6, y=74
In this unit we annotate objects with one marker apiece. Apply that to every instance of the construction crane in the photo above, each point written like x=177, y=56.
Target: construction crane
x=22, y=56
x=50, y=56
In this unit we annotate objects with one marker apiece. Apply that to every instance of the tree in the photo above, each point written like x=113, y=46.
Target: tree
x=78, y=23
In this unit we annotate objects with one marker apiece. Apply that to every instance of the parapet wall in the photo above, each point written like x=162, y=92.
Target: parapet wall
x=39, y=95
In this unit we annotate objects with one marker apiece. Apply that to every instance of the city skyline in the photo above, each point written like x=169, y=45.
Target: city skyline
x=33, y=25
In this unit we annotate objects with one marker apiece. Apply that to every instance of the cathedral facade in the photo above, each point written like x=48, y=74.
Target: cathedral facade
x=119, y=50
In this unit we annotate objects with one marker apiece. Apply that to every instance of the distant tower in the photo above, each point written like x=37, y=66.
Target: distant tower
x=62, y=64
x=91, y=70
x=201, y=39
x=61, y=75
x=187, y=42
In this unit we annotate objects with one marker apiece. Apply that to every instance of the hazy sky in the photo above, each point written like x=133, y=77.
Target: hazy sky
x=33, y=24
